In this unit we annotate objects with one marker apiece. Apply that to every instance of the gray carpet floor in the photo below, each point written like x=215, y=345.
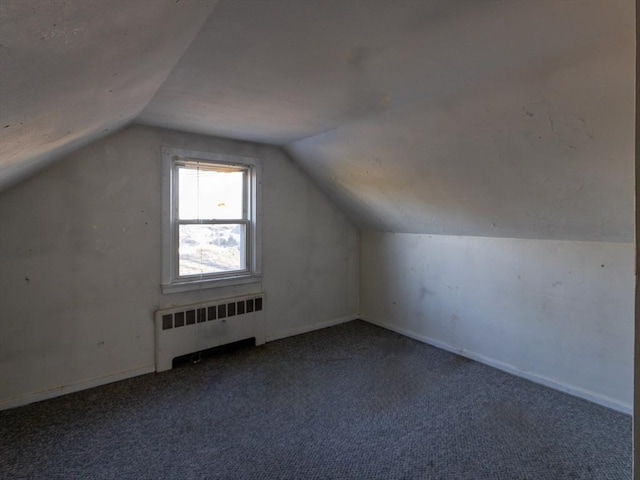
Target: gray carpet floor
x=348, y=402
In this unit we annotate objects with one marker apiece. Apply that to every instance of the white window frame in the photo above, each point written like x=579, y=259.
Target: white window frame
x=171, y=282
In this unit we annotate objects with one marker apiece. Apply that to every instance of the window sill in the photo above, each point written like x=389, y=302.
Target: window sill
x=211, y=283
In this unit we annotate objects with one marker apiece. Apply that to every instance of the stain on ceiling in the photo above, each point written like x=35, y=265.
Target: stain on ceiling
x=489, y=118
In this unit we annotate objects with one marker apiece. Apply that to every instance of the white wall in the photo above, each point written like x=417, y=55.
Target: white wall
x=80, y=262
x=557, y=312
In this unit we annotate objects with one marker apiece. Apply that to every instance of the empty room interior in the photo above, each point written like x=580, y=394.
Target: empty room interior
x=317, y=239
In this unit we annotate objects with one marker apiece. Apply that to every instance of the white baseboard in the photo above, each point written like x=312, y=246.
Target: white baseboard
x=95, y=382
x=310, y=328
x=547, y=382
x=76, y=387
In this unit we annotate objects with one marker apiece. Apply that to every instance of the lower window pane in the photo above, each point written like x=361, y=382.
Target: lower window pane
x=206, y=249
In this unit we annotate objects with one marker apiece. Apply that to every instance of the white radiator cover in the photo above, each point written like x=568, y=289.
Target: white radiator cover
x=190, y=328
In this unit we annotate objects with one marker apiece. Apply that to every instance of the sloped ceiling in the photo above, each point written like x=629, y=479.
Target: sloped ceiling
x=471, y=118
x=278, y=71
x=73, y=70
x=519, y=123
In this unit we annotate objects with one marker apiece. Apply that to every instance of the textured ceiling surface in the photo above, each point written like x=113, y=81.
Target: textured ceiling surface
x=524, y=129
x=73, y=70
x=470, y=118
x=279, y=71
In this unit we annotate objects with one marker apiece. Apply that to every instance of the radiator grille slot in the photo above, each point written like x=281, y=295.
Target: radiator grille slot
x=188, y=329
x=204, y=314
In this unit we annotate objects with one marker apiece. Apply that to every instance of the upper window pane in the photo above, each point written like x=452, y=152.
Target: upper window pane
x=210, y=193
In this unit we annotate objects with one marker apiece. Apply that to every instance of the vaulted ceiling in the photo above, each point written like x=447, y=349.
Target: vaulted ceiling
x=471, y=118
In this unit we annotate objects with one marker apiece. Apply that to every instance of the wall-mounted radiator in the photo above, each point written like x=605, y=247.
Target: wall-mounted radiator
x=192, y=328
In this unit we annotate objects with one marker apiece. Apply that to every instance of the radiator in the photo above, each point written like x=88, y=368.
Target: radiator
x=192, y=328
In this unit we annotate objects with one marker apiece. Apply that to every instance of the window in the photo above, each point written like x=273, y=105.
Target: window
x=210, y=221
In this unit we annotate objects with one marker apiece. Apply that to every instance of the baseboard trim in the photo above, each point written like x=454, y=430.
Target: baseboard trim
x=542, y=380
x=22, y=400
x=310, y=328
x=75, y=387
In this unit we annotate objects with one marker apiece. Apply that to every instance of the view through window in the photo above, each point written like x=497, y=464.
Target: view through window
x=212, y=219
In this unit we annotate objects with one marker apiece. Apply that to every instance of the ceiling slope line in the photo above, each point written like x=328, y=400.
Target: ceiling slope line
x=203, y=21
x=107, y=69
x=602, y=44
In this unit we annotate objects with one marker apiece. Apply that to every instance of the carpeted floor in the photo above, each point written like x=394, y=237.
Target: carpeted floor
x=349, y=402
